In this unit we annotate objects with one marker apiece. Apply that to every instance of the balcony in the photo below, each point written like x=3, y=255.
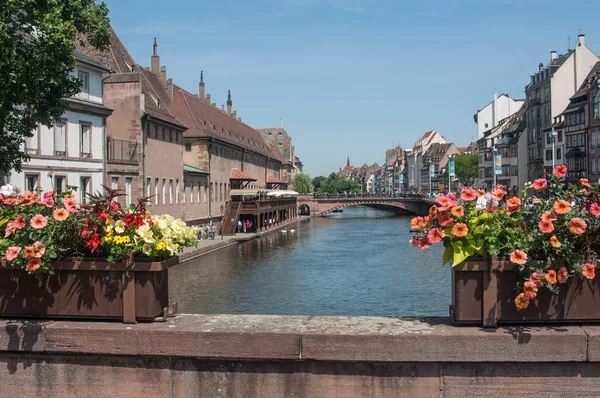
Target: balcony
x=121, y=151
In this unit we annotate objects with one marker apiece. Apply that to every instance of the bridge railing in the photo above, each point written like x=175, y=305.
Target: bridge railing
x=368, y=196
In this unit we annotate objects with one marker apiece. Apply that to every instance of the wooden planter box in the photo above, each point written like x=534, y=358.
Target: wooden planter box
x=86, y=288
x=483, y=293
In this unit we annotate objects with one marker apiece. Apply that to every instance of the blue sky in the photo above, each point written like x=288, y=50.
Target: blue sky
x=355, y=76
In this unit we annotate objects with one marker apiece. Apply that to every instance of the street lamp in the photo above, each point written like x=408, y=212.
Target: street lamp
x=494, y=166
x=222, y=220
x=553, y=134
x=412, y=179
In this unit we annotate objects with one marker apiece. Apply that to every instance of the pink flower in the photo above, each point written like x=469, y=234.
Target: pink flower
x=38, y=221
x=468, y=194
x=435, y=235
x=540, y=184
x=19, y=222
x=560, y=171
x=10, y=229
x=595, y=209
x=12, y=253
x=445, y=220
x=48, y=202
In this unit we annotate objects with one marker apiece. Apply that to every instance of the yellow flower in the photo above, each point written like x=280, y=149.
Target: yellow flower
x=161, y=246
x=109, y=226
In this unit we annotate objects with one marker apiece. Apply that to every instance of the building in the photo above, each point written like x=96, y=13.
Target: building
x=71, y=152
x=593, y=117
x=414, y=162
x=279, y=138
x=548, y=95
x=435, y=160
x=500, y=108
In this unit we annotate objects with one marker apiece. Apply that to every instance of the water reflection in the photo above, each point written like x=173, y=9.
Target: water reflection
x=354, y=263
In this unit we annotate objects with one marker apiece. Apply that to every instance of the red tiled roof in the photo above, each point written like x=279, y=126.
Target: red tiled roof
x=240, y=175
x=271, y=179
x=204, y=119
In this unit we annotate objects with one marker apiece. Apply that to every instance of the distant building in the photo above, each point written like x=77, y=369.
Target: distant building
x=414, y=160
x=500, y=108
x=279, y=138
x=436, y=158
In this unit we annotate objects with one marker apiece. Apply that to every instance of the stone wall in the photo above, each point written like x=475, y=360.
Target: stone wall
x=296, y=356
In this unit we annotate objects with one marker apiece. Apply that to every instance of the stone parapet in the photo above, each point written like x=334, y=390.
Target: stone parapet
x=289, y=356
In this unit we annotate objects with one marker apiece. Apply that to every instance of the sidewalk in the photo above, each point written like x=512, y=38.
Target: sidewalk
x=206, y=246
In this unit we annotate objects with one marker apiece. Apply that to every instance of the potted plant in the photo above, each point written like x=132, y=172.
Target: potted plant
x=526, y=259
x=94, y=260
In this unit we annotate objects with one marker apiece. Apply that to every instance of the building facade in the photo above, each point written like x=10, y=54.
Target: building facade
x=500, y=108
x=414, y=161
x=71, y=152
x=436, y=158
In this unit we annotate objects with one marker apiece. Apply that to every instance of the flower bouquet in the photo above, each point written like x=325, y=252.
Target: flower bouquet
x=548, y=237
x=93, y=260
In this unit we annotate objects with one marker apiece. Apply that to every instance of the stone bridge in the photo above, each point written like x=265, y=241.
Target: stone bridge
x=320, y=206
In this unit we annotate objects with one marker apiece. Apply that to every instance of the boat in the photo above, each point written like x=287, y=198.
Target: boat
x=338, y=211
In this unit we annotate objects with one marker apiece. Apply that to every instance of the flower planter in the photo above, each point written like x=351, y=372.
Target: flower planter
x=87, y=288
x=483, y=293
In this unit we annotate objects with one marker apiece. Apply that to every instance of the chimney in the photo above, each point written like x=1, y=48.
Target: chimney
x=234, y=114
x=155, y=59
x=495, y=110
x=553, y=55
x=223, y=108
x=229, y=103
x=581, y=40
x=201, y=94
x=163, y=76
x=170, y=88
x=239, y=119
x=208, y=99
x=541, y=67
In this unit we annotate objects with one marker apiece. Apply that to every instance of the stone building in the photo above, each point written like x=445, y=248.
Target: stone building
x=437, y=157
x=71, y=152
x=280, y=139
x=548, y=94
x=414, y=161
x=593, y=117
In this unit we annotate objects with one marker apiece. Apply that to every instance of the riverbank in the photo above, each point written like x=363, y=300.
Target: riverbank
x=206, y=246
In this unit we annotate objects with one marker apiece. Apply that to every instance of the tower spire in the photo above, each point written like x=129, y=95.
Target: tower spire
x=155, y=48
x=348, y=161
x=201, y=93
x=229, y=103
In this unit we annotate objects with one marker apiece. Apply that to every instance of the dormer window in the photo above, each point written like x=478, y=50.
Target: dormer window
x=84, y=87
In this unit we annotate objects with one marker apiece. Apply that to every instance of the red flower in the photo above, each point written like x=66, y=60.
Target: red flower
x=85, y=233
x=560, y=171
x=595, y=209
x=94, y=242
x=115, y=206
x=128, y=219
x=102, y=216
x=423, y=243
x=540, y=184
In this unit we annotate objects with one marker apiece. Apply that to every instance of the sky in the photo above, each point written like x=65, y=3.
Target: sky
x=355, y=77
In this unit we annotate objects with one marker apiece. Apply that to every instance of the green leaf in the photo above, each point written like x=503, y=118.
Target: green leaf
x=447, y=233
x=448, y=255
x=461, y=253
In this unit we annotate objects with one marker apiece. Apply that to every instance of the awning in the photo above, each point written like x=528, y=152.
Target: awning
x=240, y=175
x=248, y=192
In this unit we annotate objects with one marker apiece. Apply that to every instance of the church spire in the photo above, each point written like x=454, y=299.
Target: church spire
x=155, y=48
x=348, y=161
x=229, y=103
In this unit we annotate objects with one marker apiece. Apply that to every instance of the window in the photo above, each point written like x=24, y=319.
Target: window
x=205, y=195
x=548, y=138
x=514, y=170
x=220, y=192
x=191, y=192
x=31, y=143
x=164, y=192
x=547, y=92
x=560, y=136
x=156, y=132
x=558, y=153
x=170, y=135
x=148, y=187
x=597, y=105
x=593, y=166
x=127, y=192
x=164, y=134
x=59, y=184
x=198, y=193
x=85, y=182
x=31, y=182
x=156, y=191
x=594, y=140
x=184, y=192
x=548, y=154
x=84, y=78
x=176, y=191
x=486, y=125
x=60, y=138
x=211, y=192
x=86, y=138
x=170, y=192
x=188, y=147
x=114, y=183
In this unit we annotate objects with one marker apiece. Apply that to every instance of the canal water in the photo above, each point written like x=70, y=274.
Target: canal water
x=358, y=262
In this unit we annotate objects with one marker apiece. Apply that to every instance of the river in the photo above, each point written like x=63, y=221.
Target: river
x=358, y=262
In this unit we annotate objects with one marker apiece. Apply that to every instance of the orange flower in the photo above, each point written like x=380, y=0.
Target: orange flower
x=33, y=264
x=546, y=226
x=458, y=211
x=514, y=201
x=562, y=206
x=530, y=289
x=460, y=230
x=69, y=196
x=445, y=220
x=522, y=301
x=39, y=249
x=433, y=211
x=12, y=253
x=563, y=275
x=416, y=222
x=29, y=252
x=577, y=226
x=589, y=271
x=468, y=194
x=560, y=171
x=540, y=184
x=585, y=182
x=554, y=242
x=480, y=193
x=550, y=216
x=435, y=235
x=518, y=257
x=536, y=278
x=551, y=277
x=19, y=222
x=498, y=193
x=38, y=221
x=70, y=202
x=595, y=209
x=63, y=214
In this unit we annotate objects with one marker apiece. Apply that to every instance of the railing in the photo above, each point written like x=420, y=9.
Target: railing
x=371, y=196
x=121, y=150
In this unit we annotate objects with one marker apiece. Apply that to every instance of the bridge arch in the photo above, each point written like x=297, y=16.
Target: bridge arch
x=395, y=206
x=304, y=210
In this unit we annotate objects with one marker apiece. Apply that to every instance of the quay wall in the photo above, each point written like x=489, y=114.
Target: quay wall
x=296, y=356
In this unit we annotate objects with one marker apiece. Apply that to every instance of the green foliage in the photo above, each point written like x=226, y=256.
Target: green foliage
x=302, y=184
x=466, y=168
x=36, y=59
x=335, y=184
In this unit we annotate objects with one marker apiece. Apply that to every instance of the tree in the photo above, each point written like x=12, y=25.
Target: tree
x=466, y=168
x=318, y=182
x=335, y=184
x=302, y=184
x=36, y=60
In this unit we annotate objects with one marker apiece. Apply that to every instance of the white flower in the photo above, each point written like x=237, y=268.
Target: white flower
x=147, y=249
x=6, y=190
x=120, y=227
x=149, y=238
x=481, y=203
x=143, y=230
x=109, y=226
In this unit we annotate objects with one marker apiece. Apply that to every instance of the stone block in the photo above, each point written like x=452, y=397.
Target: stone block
x=201, y=378
x=593, y=333
x=33, y=375
x=22, y=335
x=521, y=380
